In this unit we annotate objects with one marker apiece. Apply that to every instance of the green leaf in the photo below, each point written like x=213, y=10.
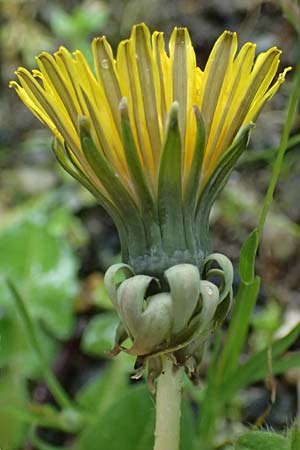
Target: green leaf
x=128, y=424
x=45, y=269
x=32, y=329
x=188, y=432
x=103, y=390
x=295, y=437
x=16, y=351
x=102, y=300
x=12, y=394
x=99, y=335
x=287, y=362
x=238, y=328
x=78, y=23
x=257, y=368
x=261, y=440
x=257, y=365
x=247, y=258
x=291, y=11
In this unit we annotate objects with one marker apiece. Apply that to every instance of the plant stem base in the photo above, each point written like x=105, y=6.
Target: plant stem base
x=168, y=407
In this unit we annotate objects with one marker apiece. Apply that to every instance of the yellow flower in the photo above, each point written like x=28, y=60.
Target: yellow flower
x=150, y=133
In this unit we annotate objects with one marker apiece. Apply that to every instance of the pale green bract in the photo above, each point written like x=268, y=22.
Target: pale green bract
x=174, y=319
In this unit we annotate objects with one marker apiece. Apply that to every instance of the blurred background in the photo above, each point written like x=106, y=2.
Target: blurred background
x=56, y=242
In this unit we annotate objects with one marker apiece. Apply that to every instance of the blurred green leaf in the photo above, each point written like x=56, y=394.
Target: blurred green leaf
x=44, y=267
x=99, y=335
x=128, y=424
x=35, y=253
x=12, y=394
x=261, y=440
x=295, y=438
x=101, y=392
x=268, y=318
x=15, y=349
x=257, y=367
x=75, y=27
x=265, y=322
x=102, y=299
x=188, y=428
x=81, y=21
x=291, y=10
x=62, y=222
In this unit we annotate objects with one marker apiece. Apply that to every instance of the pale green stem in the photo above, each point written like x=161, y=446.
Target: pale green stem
x=168, y=407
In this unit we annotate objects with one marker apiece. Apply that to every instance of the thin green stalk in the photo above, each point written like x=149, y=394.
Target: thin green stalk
x=211, y=407
x=266, y=154
x=244, y=303
x=168, y=407
x=22, y=415
x=30, y=418
x=55, y=388
x=292, y=107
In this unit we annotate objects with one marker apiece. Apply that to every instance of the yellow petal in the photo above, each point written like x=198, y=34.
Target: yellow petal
x=131, y=89
x=229, y=92
x=67, y=66
x=107, y=76
x=217, y=69
x=63, y=88
x=183, y=64
x=262, y=74
x=233, y=87
x=149, y=85
x=102, y=120
x=162, y=62
x=35, y=109
x=58, y=115
x=258, y=104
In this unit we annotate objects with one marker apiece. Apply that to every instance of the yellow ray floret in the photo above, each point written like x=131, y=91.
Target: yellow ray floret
x=229, y=92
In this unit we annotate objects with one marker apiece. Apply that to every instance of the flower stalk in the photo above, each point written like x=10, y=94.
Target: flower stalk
x=168, y=407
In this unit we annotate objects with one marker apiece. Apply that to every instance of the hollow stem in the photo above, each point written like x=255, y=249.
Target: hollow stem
x=168, y=407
